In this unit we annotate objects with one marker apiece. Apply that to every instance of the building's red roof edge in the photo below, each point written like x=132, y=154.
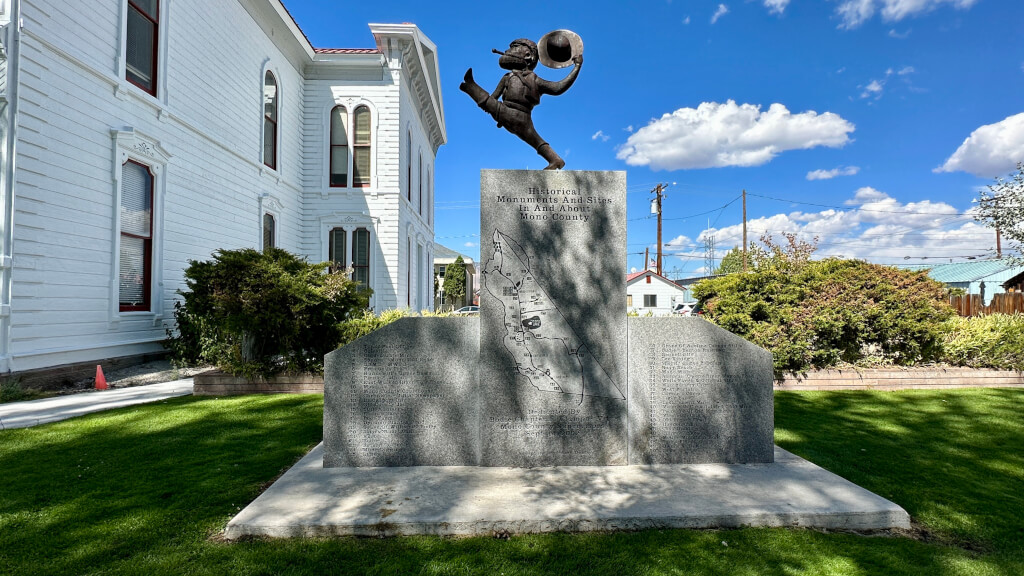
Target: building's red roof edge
x=635, y=275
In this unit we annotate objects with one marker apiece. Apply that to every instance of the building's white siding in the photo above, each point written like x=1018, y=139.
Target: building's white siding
x=666, y=293
x=203, y=131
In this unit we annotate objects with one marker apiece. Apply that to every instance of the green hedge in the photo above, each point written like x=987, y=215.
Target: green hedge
x=817, y=314
x=256, y=313
x=995, y=341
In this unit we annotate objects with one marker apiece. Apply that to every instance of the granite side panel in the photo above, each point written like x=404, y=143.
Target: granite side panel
x=553, y=318
x=698, y=394
x=405, y=395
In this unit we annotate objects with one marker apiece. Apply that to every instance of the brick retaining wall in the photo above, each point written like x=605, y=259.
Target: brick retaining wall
x=905, y=379
x=216, y=383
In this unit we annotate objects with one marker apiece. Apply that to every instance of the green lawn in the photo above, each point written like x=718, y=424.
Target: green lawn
x=146, y=490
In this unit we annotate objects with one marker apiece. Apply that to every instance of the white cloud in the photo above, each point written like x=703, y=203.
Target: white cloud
x=722, y=11
x=470, y=244
x=991, y=150
x=853, y=13
x=600, y=135
x=899, y=35
x=776, y=6
x=829, y=174
x=686, y=21
x=874, y=89
x=717, y=135
x=877, y=228
x=629, y=128
x=906, y=70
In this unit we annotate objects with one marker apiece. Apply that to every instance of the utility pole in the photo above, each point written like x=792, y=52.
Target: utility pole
x=744, y=231
x=999, y=243
x=659, y=192
x=647, y=258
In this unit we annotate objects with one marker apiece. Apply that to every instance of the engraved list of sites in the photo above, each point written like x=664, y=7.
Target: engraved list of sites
x=552, y=304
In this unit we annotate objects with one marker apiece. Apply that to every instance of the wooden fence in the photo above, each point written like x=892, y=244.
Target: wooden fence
x=972, y=305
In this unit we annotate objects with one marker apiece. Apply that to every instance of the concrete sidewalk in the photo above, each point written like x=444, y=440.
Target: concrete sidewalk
x=25, y=414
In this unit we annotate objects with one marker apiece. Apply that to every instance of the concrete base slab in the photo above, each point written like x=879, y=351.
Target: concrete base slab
x=310, y=500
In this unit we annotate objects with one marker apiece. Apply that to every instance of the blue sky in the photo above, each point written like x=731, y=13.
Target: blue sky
x=867, y=123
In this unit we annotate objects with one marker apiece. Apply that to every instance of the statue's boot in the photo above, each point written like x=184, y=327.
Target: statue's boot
x=469, y=86
x=555, y=161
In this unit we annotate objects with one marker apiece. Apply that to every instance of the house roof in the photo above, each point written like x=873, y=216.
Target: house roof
x=631, y=278
x=987, y=270
x=419, y=60
x=445, y=253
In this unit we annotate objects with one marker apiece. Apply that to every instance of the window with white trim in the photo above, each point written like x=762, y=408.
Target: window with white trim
x=141, y=43
x=136, y=242
x=362, y=146
x=408, y=164
x=361, y=256
x=419, y=174
x=336, y=248
x=339, y=147
x=269, y=231
x=270, y=117
x=650, y=300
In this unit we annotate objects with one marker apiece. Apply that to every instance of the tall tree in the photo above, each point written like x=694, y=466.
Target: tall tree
x=455, y=281
x=731, y=263
x=1002, y=207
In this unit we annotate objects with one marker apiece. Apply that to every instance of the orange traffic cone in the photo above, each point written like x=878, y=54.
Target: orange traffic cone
x=101, y=380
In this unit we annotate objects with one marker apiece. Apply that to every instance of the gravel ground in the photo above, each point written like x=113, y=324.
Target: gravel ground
x=137, y=375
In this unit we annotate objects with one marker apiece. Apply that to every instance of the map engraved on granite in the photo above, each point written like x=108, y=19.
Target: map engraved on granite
x=546, y=349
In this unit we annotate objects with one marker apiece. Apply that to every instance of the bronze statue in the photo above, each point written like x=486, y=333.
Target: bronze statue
x=519, y=91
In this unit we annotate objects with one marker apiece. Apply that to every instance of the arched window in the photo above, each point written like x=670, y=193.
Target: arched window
x=339, y=147
x=361, y=148
x=337, y=253
x=419, y=174
x=270, y=114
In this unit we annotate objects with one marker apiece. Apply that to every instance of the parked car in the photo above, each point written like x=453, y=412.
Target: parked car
x=684, y=309
x=467, y=311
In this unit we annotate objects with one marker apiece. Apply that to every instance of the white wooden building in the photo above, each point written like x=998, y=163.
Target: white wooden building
x=140, y=134
x=649, y=293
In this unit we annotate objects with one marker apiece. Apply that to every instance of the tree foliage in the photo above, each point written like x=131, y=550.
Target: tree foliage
x=1001, y=206
x=731, y=263
x=455, y=281
x=815, y=314
x=255, y=313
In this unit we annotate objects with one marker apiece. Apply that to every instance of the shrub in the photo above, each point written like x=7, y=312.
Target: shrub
x=819, y=313
x=362, y=325
x=994, y=341
x=256, y=313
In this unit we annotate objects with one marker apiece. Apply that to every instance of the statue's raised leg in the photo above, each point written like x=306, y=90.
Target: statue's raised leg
x=555, y=161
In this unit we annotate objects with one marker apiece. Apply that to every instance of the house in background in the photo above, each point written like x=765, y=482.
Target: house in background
x=443, y=258
x=649, y=293
x=985, y=277
x=136, y=135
